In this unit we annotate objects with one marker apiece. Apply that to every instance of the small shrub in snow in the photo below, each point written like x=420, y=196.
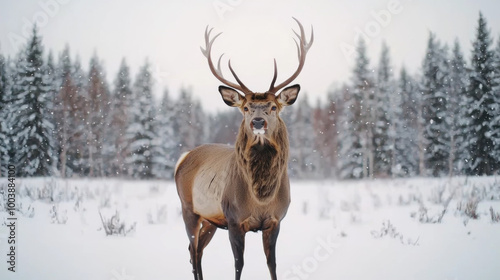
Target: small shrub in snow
x=78, y=204
x=58, y=216
x=388, y=229
x=20, y=207
x=469, y=207
x=28, y=212
x=495, y=216
x=433, y=218
x=410, y=199
x=437, y=194
x=493, y=192
x=49, y=191
x=326, y=204
x=115, y=226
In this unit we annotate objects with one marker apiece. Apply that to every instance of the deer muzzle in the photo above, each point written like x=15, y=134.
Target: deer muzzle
x=259, y=126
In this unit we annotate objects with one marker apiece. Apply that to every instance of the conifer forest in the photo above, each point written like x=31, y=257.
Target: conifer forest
x=62, y=117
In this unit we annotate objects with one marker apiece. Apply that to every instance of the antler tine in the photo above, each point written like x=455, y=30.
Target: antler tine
x=218, y=66
x=302, y=36
x=243, y=87
x=217, y=72
x=298, y=48
x=302, y=49
x=275, y=74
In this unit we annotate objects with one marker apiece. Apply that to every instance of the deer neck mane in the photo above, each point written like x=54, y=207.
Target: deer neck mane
x=262, y=163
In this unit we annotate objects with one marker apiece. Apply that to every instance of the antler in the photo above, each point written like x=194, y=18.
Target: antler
x=217, y=72
x=302, y=52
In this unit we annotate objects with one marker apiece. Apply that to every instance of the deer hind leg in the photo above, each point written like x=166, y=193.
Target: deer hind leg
x=192, y=222
x=207, y=231
x=269, y=238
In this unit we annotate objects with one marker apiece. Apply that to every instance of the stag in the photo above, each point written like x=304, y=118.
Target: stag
x=245, y=187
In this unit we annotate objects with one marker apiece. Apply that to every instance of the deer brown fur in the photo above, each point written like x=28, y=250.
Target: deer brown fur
x=245, y=187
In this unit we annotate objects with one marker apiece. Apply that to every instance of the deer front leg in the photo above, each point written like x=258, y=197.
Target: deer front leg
x=269, y=237
x=237, y=239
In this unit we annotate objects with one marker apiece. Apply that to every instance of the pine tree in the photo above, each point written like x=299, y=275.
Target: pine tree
x=350, y=149
x=141, y=130
x=165, y=143
x=4, y=107
x=494, y=126
x=32, y=133
x=62, y=111
x=225, y=126
x=97, y=109
x=407, y=107
x=52, y=81
x=434, y=113
x=74, y=94
x=481, y=109
x=356, y=150
x=330, y=133
x=325, y=136
x=383, y=135
x=188, y=122
x=456, y=106
x=116, y=141
x=303, y=156
x=198, y=124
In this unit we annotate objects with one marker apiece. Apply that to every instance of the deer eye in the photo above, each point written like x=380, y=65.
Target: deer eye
x=274, y=108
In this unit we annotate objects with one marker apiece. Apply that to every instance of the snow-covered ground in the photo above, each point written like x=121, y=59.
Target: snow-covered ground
x=382, y=229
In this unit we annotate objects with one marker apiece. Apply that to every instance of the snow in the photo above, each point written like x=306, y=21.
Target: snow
x=379, y=229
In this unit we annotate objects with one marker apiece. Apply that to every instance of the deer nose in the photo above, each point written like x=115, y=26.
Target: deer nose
x=258, y=123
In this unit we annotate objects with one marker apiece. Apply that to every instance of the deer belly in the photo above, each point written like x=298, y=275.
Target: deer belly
x=207, y=196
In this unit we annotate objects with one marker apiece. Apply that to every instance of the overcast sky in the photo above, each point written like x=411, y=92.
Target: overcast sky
x=170, y=32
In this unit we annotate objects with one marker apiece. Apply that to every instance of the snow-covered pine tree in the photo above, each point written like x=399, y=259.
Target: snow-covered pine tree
x=188, y=122
x=407, y=108
x=165, y=143
x=74, y=94
x=303, y=156
x=52, y=81
x=97, y=109
x=481, y=105
x=198, y=123
x=115, y=148
x=225, y=126
x=4, y=107
x=357, y=155
x=319, y=140
x=383, y=130
x=494, y=126
x=329, y=133
x=350, y=160
x=434, y=113
x=32, y=131
x=62, y=109
x=141, y=130
x=458, y=78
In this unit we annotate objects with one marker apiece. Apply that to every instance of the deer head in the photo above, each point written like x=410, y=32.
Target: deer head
x=260, y=110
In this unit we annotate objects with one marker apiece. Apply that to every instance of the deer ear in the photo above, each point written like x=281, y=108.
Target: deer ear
x=230, y=96
x=288, y=96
